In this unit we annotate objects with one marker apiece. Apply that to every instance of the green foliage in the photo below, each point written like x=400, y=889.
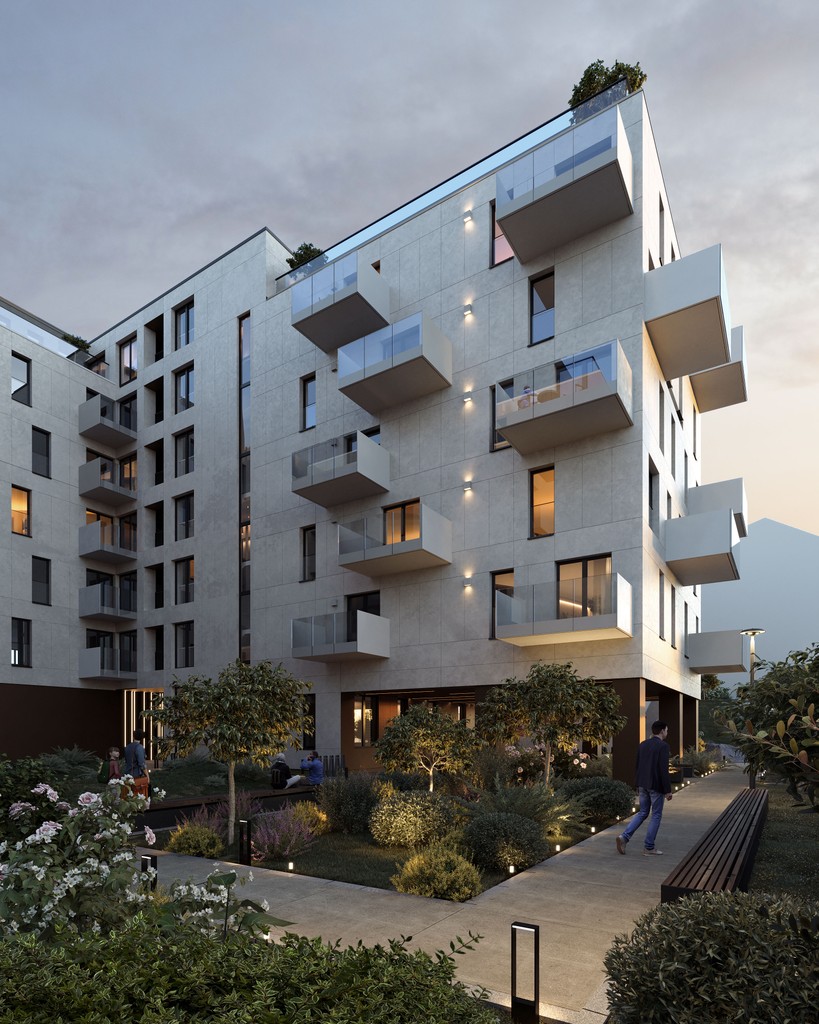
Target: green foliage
x=280, y=834
x=440, y=873
x=305, y=252
x=250, y=774
x=312, y=816
x=248, y=714
x=218, y=817
x=17, y=779
x=77, y=342
x=498, y=840
x=701, y=761
x=602, y=799
x=123, y=977
x=425, y=739
x=348, y=803
x=556, y=814
x=493, y=763
x=718, y=957
x=411, y=819
x=597, y=77
x=401, y=782
x=785, y=862
x=554, y=707
x=710, y=685
x=192, y=839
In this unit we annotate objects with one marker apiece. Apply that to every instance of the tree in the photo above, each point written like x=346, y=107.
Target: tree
x=598, y=77
x=552, y=706
x=305, y=252
x=425, y=739
x=250, y=713
x=710, y=686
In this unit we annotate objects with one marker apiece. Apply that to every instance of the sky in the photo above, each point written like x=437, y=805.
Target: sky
x=140, y=140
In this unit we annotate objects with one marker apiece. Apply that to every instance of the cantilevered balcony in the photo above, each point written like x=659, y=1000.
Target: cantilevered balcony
x=397, y=540
x=721, y=495
x=573, y=184
x=107, y=664
x=703, y=548
x=723, y=651
x=340, y=636
x=99, y=482
x=595, y=608
x=687, y=313
x=105, y=601
x=396, y=364
x=343, y=469
x=100, y=420
x=579, y=396
x=723, y=385
x=107, y=542
x=339, y=302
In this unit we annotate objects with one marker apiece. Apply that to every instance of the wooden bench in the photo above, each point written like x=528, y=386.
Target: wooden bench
x=721, y=861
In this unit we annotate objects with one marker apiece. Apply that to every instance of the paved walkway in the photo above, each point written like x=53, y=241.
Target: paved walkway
x=581, y=899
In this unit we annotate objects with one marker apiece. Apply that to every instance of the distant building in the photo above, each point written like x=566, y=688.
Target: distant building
x=465, y=439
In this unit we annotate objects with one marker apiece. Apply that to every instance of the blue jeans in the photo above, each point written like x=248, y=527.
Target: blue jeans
x=651, y=802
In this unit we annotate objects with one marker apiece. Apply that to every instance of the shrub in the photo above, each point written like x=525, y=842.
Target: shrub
x=498, y=840
x=250, y=774
x=411, y=819
x=491, y=763
x=280, y=834
x=195, y=840
x=17, y=779
x=602, y=799
x=718, y=957
x=246, y=808
x=556, y=814
x=196, y=980
x=311, y=815
x=400, y=782
x=348, y=803
x=441, y=873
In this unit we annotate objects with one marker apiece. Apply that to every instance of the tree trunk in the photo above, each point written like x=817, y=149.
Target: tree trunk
x=430, y=779
x=547, y=757
x=231, y=822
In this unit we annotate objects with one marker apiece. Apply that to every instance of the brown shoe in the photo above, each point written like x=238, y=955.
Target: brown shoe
x=652, y=853
x=621, y=844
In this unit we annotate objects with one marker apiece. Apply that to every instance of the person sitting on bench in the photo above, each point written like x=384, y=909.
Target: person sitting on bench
x=312, y=764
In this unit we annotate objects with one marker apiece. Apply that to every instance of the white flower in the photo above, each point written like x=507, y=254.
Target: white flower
x=43, y=788
x=20, y=807
x=88, y=799
x=150, y=838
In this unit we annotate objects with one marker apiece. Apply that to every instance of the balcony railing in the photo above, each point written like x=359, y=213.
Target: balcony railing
x=101, y=421
x=569, y=611
x=371, y=547
x=723, y=385
x=107, y=542
x=579, y=396
x=99, y=480
x=107, y=663
x=105, y=601
x=341, y=301
x=401, y=362
x=340, y=636
x=329, y=474
x=722, y=651
x=571, y=185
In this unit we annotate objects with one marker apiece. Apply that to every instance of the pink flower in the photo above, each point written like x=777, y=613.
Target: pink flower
x=19, y=808
x=43, y=788
x=88, y=799
x=150, y=838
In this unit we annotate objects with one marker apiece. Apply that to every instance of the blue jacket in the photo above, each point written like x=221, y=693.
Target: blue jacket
x=652, y=765
x=314, y=769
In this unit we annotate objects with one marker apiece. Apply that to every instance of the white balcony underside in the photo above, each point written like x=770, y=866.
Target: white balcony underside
x=564, y=631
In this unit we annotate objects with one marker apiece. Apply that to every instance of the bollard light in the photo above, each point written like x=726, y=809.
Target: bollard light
x=148, y=863
x=511, y=869
x=290, y=865
x=244, y=841
x=557, y=847
x=593, y=829
x=525, y=1007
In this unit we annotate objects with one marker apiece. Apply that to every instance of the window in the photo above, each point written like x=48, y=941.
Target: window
x=40, y=580
x=673, y=616
x=685, y=628
x=503, y=591
x=662, y=606
x=308, y=734
x=183, y=516
x=308, y=553
x=128, y=592
x=498, y=441
x=128, y=473
x=128, y=651
x=685, y=470
x=694, y=431
x=184, y=326
x=183, y=389
x=159, y=647
x=127, y=361
x=184, y=580
x=542, y=502
x=128, y=532
x=40, y=452
x=155, y=339
x=20, y=379
x=156, y=389
x=501, y=249
x=365, y=721
x=542, y=308
x=662, y=417
x=662, y=232
x=184, y=644
x=584, y=587
x=402, y=522
x=21, y=511
x=369, y=602
x=157, y=510
x=308, y=402
x=351, y=440
x=157, y=573
x=653, y=498
x=128, y=412
x=21, y=642
x=673, y=448
x=98, y=365
x=244, y=383
x=184, y=453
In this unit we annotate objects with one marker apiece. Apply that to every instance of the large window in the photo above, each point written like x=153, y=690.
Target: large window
x=402, y=522
x=365, y=721
x=21, y=642
x=183, y=334
x=184, y=389
x=20, y=379
x=584, y=587
x=183, y=516
x=308, y=402
x=369, y=602
x=542, y=502
x=40, y=452
x=40, y=580
x=21, y=511
x=184, y=453
x=501, y=249
x=184, y=580
x=127, y=361
x=308, y=553
x=542, y=308
x=503, y=585
x=184, y=647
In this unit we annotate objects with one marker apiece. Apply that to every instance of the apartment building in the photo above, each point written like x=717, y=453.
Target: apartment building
x=465, y=439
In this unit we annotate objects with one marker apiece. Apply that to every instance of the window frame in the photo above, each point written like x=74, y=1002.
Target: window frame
x=185, y=439
x=37, y=561
x=184, y=643
x=532, y=474
x=182, y=502
x=306, y=533
x=21, y=642
x=38, y=432
x=26, y=523
x=308, y=409
x=128, y=369
x=497, y=234
x=533, y=295
x=184, y=580
x=22, y=394
x=402, y=507
x=184, y=314
x=184, y=398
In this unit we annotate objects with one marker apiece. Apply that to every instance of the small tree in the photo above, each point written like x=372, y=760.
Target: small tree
x=554, y=707
x=598, y=77
x=250, y=713
x=425, y=739
x=305, y=252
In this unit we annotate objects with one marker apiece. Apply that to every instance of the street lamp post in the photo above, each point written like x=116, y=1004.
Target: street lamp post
x=753, y=633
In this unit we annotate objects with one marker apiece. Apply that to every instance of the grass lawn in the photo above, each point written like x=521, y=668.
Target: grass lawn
x=195, y=777
x=787, y=856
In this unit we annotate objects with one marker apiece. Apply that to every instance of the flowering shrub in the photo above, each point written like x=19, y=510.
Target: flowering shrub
x=280, y=834
x=527, y=763
x=191, y=839
x=247, y=807
x=70, y=866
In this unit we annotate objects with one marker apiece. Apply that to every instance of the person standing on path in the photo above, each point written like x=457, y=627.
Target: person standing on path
x=135, y=763
x=653, y=785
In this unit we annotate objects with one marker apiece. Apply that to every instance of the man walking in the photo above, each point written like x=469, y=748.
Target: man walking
x=653, y=785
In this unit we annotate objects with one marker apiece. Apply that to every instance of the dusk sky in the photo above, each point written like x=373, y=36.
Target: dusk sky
x=141, y=140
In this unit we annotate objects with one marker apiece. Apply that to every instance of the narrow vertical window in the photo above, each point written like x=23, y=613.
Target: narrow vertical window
x=662, y=606
x=542, y=502
x=20, y=379
x=694, y=431
x=184, y=580
x=183, y=331
x=501, y=249
x=21, y=511
x=40, y=580
x=184, y=453
x=308, y=402
x=503, y=594
x=542, y=308
x=184, y=389
x=127, y=360
x=184, y=636
x=21, y=643
x=183, y=515
x=128, y=473
x=662, y=232
x=685, y=628
x=308, y=553
x=500, y=392
x=662, y=417
x=40, y=452
x=673, y=448
x=673, y=616
x=653, y=498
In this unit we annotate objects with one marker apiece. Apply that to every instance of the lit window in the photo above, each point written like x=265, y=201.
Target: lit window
x=21, y=511
x=542, y=502
x=584, y=588
x=501, y=249
x=402, y=522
